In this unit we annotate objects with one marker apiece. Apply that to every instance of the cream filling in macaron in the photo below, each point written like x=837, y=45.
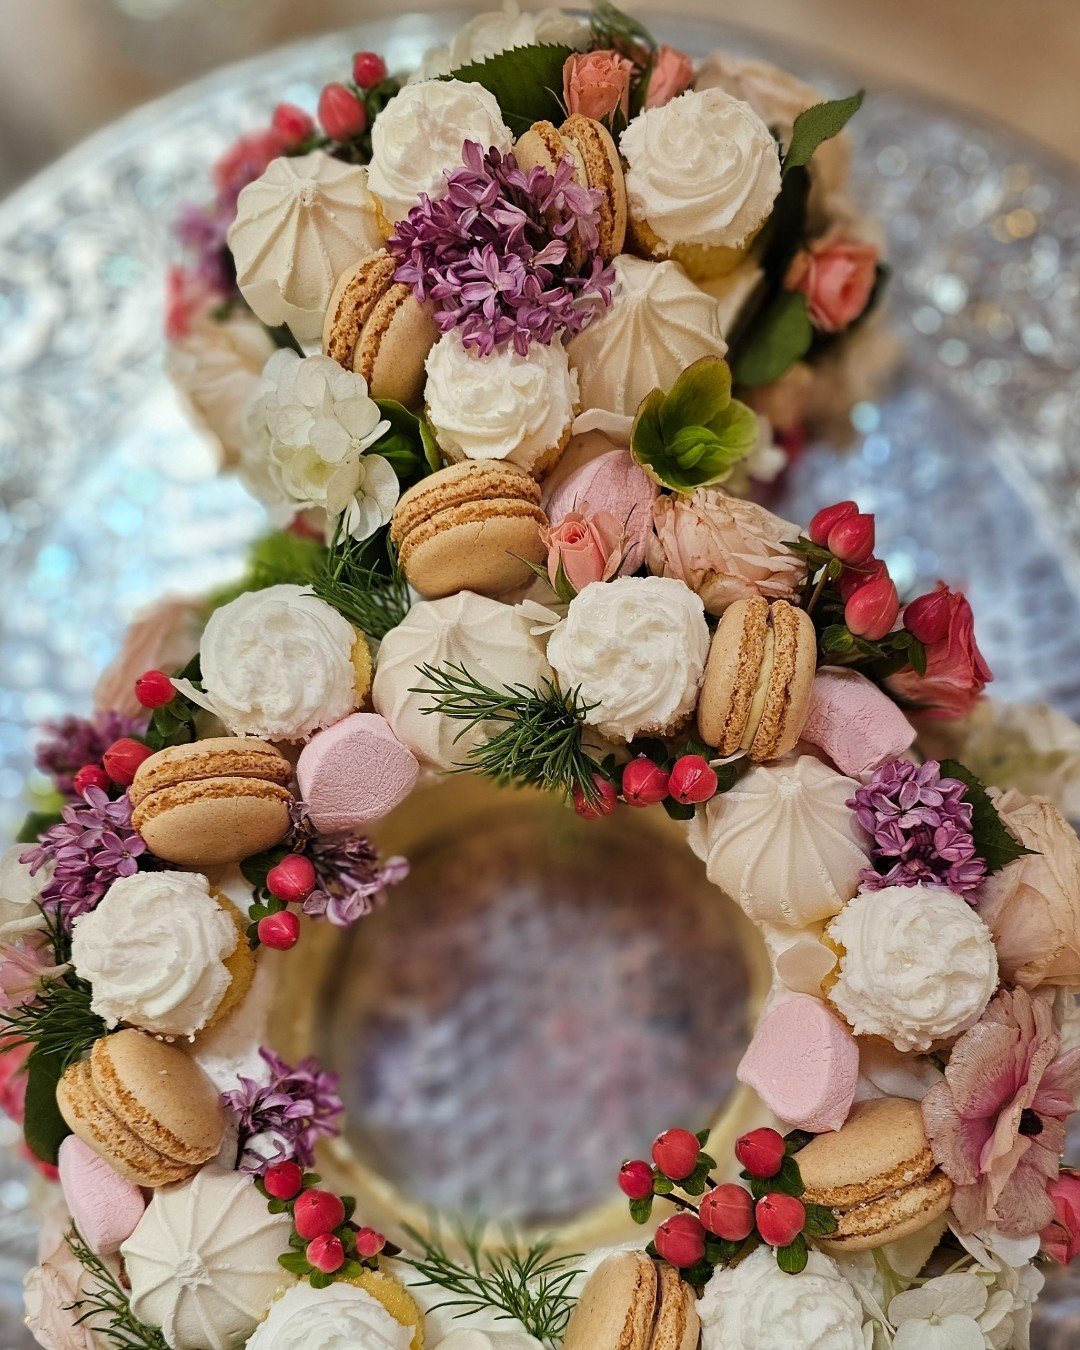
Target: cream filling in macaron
x=761, y=693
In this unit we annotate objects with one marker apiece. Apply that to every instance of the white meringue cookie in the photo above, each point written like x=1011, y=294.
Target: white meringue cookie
x=498, y=30
x=339, y=1317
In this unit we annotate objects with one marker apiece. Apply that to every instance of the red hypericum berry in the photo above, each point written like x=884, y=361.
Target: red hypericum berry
x=693, y=779
x=317, y=1212
x=602, y=803
x=675, y=1152
x=780, y=1218
x=293, y=878
x=927, y=617
x=122, y=760
x=636, y=1179
x=279, y=931
x=829, y=516
x=368, y=69
x=643, y=782
x=326, y=1253
x=728, y=1212
x=154, y=689
x=871, y=611
x=341, y=113
x=851, y=578
x=292, y=124
x=91, y=775
x=369, y=1243
x=283, y=1180
x=761, y=1152
x=680, y=1240
x=852, y=539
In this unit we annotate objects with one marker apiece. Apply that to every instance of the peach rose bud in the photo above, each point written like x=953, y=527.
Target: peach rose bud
x=587, y=547
x=671, y=74
x=836, y=274
x=595, y=84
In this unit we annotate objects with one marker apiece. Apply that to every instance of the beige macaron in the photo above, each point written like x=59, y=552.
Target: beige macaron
x=633, y=1303
x=596, y=165
x=758, y=678
x=376, y=327
x=144, y=1106
x=473, y=526
x=212, y=802
x=877, y=1173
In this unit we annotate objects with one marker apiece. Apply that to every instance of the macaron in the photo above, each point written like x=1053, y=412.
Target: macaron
x=588, y=144
x=211, y=802
x=633, y=1303
x=354, y=772
x=104, y=1206
x=473, y=526
x=376, y=327
x=853, y=722
x=144, y=1106
x=758, y=679
x=877, y=1173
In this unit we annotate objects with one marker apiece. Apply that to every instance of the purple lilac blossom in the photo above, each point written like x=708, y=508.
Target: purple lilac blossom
x=281, y=1120
x=352, y=879
x=70, y=743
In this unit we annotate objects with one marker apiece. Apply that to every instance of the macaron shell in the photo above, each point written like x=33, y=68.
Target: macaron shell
x=736, y=654
x=394, y=345
x=104, y=1206
x=891, y=1218
x=603, y=171
x=881, y=1148
x=211, y=821
x=216, y=757
x=486, y=549
x=853, y=722
x=457, y=485
x=617, y=1307
x=354, y=772
x=677, y=1325
x=353, y=298
x=790, y=682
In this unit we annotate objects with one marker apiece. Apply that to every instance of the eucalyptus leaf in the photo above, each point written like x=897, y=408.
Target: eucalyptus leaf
x=526, y=81
x=781, y=335
x=817, y=125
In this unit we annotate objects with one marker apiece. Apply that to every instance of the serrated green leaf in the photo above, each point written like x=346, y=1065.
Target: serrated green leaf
x=44, y=1128
x=993, y=842
x=780, y=336
x=792, y=1258
x=819, y=124
x=641, y=1210
x=526, y=82
x=696, y=433
x=820, y=1220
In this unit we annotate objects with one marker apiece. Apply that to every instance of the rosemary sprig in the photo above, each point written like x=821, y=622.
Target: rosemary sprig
x=108, y=1300
x=536, y=734
x=373, y=598
x=523, y=1282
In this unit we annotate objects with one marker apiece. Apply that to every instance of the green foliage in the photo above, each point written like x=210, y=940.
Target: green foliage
x=819, y=124
x=792, y=1258
x=408, y=446
x=780, y=336
x=526, y=82
x=612, y=28
x=364, y=587
x=44, y=1128
x=105, y=1308
x=277, y=559
x=34, y=825
x=174, y=724
x=993, y=842
x=641, y=1210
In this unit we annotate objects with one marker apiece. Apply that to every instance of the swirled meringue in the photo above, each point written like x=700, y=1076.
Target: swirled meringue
x=297, y=228
x=419, y=135
x=636, y=649
x=703, y=169
x=498, y=30
x=277, y=663
x=339, y=1317
x=502, y=406
x=658, y=323
x=153, y=952
x=918, y=965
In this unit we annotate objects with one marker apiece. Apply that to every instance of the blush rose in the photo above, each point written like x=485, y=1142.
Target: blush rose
x=588, y=547
x=595, y=84
x=836, y=274
x=672, y=73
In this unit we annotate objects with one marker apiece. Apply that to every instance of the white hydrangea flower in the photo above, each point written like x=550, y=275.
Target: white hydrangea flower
x=942, y=1314
x=307, y=433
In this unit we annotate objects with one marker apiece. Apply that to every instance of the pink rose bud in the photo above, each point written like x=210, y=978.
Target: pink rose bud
x=852, y=539
x=122, y=760
x=588, y=547
x=368, y=69
x=956, y=670
x=292, y=125
x=675, y=1152
x=283, y=1180
x=680, y=1240
x=369, y=1243
x=643, y=782
x=154, y=689
x=602, y=803
x=761, y=1151
x=292, y=879
x=280, y=931
x=672, y=72
x=1061, y=1237
x=636, y=1179
x=341, y=113
x=728, y=1212
x=91, y=776
x=872, y=609
x=927, y=617
x=326, y=1253
x=837, y=275
x=595, y=84
x=317, y=1212
x=851, y=578
x=693, y=780
x=780, y=1218
x=829, y=516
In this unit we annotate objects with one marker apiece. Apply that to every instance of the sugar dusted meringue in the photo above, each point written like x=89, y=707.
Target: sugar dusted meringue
x=339, y=1317
x=783, y=843
x=658, y=323
x=636, y=649
x=203, y=1261
x=297, y=228
x=491, y=640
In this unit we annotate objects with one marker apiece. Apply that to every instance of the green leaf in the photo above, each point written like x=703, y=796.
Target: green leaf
x=993, y=842
x=780, y=336
x=612, y=28
x=43, y=1125
x=294, y=1262
x=404, y=446
x=34, y=824
x=280, y=558
x=526, y=82
x=174, y=724
x=792, y=1258
x=702, y=1136
x=788, y=1179
x=256, y=868
x=662, y=1185
x=678, y=810
x=318, y=1279
x=701, y=393
x=785, y=230
x=641, y=1210
x=431, y=445
x=819, y=124
x=820, y=1220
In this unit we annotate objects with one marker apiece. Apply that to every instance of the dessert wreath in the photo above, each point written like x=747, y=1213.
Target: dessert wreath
x=571, y=602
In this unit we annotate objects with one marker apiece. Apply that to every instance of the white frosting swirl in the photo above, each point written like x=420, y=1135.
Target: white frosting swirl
x=658, y=323
x=499, y=30
x=703, y=169
x=19, y=892
x=636, y=648
x=756, y=1306
x=919, y=965
x=339, y=1317
x=153, y=951
x=502, y=406
x=277, y=663
x=419, y=135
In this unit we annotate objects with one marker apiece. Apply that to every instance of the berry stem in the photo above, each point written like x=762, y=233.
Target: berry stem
x=815, y=595
x=679, y=1202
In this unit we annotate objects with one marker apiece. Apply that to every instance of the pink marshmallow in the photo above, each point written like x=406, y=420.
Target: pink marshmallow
x=104, y=1207
x=354, y=772
x=804, y=1064
x=854, y=723
x=611, y=482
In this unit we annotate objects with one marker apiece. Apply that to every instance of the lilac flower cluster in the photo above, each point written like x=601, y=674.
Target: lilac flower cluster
x=72, y=742
x=506, y=255
x=93, y=845
x=921, y=829
x=281, y=1119
x=352, y=878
